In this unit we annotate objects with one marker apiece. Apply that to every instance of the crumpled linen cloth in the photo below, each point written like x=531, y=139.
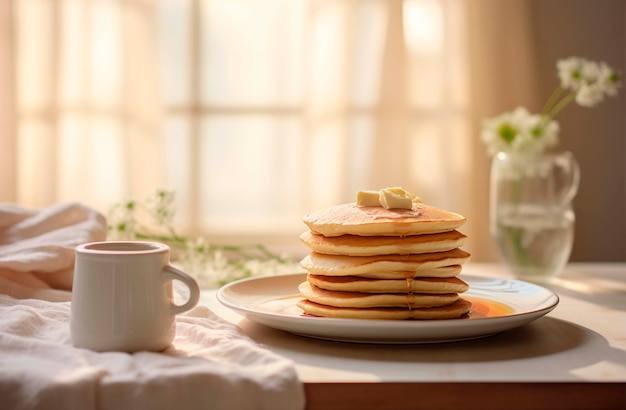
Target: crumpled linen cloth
x=210, y=365
x=37, y=248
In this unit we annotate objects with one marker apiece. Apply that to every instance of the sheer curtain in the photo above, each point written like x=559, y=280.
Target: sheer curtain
x=7, y=104
x=87, y=124
x=254, y=112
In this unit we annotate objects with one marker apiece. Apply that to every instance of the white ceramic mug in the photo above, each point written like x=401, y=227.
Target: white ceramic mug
x=122, y=296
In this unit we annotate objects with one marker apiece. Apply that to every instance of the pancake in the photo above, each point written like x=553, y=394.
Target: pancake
x=368, y=285
x=350, y=219
x=453, y=311
x=421, y=264
x=353, y=245
x=369, y=300
x=440, y=272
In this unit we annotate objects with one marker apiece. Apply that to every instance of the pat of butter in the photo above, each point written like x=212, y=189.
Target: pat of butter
x=393, y=197
x=390, y=198
x=367, y=198
x=402, y=192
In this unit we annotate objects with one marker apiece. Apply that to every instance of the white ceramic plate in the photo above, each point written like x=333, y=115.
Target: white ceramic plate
x=498, y=305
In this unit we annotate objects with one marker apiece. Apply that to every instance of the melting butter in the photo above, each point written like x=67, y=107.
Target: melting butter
x=388, y=198
x=403, y=192
x=367, y=198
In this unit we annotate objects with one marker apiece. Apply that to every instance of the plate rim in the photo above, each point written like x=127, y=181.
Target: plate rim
x=508, y=322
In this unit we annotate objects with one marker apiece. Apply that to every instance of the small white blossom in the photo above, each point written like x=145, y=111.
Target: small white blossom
x=541, y=133
x=549, y=133
x=498, y=133
x=608, y=79
x=570, y=71
x=589, y=95
x=161, y=206
x=590, y=71
x=122, y=221
x=195, y=256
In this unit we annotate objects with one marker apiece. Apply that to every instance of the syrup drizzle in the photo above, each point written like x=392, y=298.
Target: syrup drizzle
x=409, y=276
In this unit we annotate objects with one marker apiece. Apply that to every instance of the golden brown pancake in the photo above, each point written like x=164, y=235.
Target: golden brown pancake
x=440, y=272
x=341, y=265
x=455, y=310
x=368, y=285
x=368, y=300
x=354, y=245
x=350, y=219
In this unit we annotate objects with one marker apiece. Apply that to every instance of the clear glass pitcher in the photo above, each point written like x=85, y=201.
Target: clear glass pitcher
x=531, y=213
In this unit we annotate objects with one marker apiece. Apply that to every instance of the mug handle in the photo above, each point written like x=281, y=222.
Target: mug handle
x=172, y=273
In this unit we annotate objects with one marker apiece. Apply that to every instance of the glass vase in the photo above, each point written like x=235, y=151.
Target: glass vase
x=531, y=213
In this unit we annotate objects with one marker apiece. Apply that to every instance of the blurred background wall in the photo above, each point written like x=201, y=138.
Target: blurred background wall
x=596, y=30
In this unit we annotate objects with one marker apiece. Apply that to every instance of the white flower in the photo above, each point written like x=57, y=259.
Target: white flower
x=589, y=95
x=122, y=221
x=570, y=71
x=161, y=206
x=519, y=131
x=196, y=254
x=549, y=132
x=600, y=80
x=545, y=133
x=608, y=79
x=498, y=133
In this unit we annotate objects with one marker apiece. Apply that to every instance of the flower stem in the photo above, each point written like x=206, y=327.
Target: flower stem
x=515, y=234
x=561, y=104
x=552, y=100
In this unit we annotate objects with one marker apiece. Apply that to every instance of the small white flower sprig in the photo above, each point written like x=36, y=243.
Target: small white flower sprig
x=519, y=131
x=211, y=264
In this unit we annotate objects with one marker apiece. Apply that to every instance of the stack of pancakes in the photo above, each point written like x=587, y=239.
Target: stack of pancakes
x=369, y=262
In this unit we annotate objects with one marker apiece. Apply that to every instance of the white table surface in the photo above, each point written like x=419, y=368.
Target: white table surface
x=582, y=341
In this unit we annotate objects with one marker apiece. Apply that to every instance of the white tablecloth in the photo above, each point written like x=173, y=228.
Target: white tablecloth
x=210, y=365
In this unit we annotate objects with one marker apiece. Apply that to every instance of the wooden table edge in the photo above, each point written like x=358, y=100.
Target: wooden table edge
x=468, y=395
